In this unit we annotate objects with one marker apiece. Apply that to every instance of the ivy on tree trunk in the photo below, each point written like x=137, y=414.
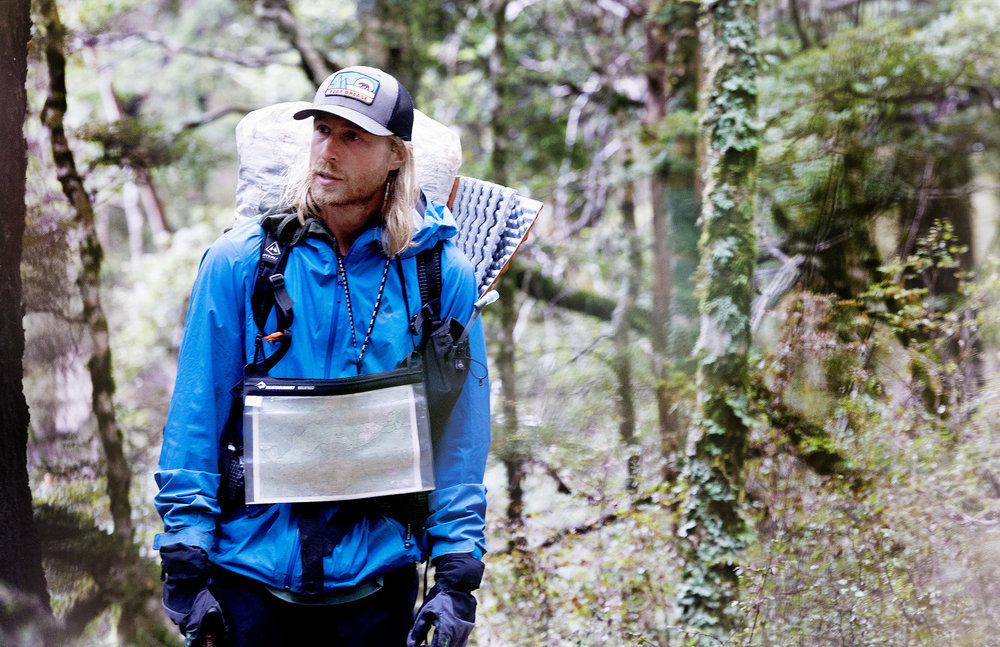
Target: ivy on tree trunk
x=711, y=525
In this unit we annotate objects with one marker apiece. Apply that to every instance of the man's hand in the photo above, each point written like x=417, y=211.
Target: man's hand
x=449, y=605
x=186, y=597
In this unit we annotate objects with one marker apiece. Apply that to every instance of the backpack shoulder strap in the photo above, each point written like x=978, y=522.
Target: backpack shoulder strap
x=280, y=234
x=429, y=281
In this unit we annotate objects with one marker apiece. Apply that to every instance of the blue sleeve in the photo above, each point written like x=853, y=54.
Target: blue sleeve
x=210, y=363
x=457, y=520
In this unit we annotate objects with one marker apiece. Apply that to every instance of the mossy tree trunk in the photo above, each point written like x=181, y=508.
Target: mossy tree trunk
x=88, y=282
x=124, y=582
x=713, y=529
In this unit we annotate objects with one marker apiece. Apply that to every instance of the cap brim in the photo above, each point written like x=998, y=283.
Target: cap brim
x=368, y=124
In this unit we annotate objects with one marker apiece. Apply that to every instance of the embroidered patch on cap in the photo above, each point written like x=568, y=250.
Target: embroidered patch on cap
x=354, y=85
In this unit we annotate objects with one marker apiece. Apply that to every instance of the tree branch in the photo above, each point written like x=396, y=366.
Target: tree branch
x=279, y=12
x=212, y=115
x=538, y=286
x=561, y=486
x=588, y=527
x=811, y=443
x=248, y=57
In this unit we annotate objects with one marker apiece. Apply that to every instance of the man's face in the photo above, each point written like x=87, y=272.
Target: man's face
x=349, y=164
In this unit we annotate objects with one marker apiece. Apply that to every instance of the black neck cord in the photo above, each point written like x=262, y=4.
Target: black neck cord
x=350, y=311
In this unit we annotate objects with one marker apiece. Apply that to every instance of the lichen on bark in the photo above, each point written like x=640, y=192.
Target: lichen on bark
x=711, y=525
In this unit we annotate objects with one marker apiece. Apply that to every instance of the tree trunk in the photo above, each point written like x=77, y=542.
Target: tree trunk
x=512, y=452
x=20, y=557
x=713, y=529
x=656, y=109
x=804, y=40
x=622, y=334
x=91, y=257
x=100, y=366
x=387, y=41
x=670, y=48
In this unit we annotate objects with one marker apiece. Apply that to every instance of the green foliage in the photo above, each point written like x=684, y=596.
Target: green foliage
x=940, y=332
x=146, y=318
x=853, y=125
x=884, y=559
x=129, y=142
x=890, y=565
x=605, y=585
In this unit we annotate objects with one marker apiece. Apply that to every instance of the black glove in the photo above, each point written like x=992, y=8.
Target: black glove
x=186, y=597
x=449, y=605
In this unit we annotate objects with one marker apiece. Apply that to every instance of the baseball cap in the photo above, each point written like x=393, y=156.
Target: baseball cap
x=368, y=97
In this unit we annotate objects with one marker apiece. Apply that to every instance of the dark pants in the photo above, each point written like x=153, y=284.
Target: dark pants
x=257, y=618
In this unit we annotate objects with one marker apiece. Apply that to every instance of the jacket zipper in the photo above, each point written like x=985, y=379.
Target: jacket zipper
x=291, y=562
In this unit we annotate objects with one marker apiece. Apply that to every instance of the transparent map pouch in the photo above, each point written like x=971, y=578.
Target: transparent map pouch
x=338, y=439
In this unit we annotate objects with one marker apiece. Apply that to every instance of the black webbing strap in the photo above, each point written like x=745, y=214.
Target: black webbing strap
x=429, y=281
x=311, y=546
x=429, y=276
x=317, y=539
x=269, y=289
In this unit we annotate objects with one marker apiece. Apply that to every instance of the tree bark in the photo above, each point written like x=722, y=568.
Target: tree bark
x=388, y=41
x=511, y=452
x=712, y=526
x=656, y=54
x=91, y=257
x=117, y=469
x=622, y=335
x=20, y=557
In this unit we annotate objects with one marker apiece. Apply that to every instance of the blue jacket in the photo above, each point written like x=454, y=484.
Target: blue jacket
x=262, y=542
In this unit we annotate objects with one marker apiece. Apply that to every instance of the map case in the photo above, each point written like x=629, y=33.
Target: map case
x=336, y=440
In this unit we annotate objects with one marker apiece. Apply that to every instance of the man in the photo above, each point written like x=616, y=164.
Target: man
x=287, y=573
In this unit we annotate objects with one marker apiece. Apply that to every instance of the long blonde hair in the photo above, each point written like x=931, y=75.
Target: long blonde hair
x=401, y=194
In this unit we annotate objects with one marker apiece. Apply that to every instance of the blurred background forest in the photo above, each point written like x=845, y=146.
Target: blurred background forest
x=853, y=496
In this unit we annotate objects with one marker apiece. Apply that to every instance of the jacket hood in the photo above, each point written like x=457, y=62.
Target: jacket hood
x=431, y=225
x=434, y=224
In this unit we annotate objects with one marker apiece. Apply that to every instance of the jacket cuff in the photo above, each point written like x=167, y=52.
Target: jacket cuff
x=442, y=547
x=188, y=536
